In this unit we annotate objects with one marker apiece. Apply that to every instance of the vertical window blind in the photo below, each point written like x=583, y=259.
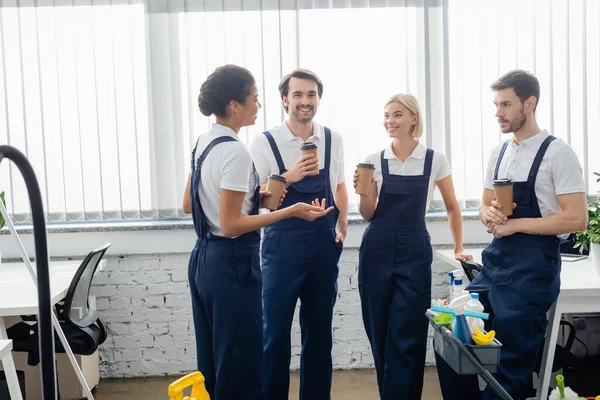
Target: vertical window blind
x=102, y=94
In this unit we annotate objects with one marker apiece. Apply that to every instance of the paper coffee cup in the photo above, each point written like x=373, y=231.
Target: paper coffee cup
x=365, y=176
x=503, y=190
x=276, y=185
x=311, y=148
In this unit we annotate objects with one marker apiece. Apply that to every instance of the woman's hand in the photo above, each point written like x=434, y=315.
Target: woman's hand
x=310, y=212
x=460, y=255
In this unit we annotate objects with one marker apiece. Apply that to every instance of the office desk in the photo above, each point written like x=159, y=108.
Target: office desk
x=19, y=296
x=579, y=293
x=6, y=359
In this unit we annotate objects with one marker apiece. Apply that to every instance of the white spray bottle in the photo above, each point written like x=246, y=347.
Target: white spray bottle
x=460, y=327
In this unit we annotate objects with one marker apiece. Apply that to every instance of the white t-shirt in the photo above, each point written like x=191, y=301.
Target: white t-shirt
x=227, y=166
x=289, y=147
x=414, y=165
x=559, y=173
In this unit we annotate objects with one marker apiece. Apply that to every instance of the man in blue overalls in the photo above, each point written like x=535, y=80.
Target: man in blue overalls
x=299, y=260
x=520, y=278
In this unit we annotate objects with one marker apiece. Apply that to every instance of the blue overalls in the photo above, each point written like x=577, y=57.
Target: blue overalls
x=519, y=282
x=225, y=282
x=394, y=281
x=299, y=260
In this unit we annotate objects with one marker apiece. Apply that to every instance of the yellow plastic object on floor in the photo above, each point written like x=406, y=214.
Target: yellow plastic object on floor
x=196, y=381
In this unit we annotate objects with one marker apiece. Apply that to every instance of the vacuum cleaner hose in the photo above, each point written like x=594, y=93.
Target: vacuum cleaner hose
x=45, y=334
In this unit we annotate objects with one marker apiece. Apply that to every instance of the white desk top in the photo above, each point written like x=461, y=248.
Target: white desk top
x=577, y=279
x=18, y=292
x=5, y=348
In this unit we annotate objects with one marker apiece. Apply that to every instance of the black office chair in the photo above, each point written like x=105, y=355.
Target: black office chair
x=471, y=269
x=79, y=321
x=562, y=355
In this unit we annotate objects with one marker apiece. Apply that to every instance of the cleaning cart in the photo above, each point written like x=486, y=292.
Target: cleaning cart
x=466, y=359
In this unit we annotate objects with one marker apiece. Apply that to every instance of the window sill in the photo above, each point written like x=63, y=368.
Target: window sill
x=179, y=224
x=155, y=237
x=436, y=216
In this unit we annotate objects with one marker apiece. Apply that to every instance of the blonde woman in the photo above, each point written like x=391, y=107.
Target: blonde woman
x=394, y=270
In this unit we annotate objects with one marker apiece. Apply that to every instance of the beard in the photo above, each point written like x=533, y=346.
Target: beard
x=516, y=123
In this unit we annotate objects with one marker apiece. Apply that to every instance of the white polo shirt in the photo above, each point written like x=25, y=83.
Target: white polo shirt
x=414, y=165
x=559, y=173
x=227, y=166
x=289, y=147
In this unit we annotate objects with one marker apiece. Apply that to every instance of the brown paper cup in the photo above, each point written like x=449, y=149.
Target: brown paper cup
x=503, y=190
x=365, y=176
x=276, y=185
x=311, y=148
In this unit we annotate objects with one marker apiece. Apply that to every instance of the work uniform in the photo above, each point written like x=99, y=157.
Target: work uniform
x=394, y=270
x=300, y=261
x=224, y=273
x=520, y=278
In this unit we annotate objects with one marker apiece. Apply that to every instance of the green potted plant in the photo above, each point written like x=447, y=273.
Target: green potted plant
x=590, y=238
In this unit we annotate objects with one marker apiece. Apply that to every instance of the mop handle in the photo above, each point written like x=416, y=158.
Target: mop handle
x=468, y=313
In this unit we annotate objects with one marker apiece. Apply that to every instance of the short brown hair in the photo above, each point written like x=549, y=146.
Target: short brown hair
x=524, y=83
x=284, y=85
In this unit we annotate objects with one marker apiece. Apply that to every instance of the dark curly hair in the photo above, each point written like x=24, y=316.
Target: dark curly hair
x=227, y=83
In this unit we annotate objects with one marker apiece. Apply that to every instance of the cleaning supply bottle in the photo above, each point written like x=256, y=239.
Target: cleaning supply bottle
x=457, y=288
x=460, y=327
x=474, y=305
x=454, y=275
x=458, y=273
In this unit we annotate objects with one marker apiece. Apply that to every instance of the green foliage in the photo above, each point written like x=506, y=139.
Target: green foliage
x=592, y=233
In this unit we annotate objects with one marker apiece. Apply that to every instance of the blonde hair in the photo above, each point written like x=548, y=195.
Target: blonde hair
x=412, y=104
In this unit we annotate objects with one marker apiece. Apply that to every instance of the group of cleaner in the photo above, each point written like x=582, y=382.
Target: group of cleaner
x=244, y=297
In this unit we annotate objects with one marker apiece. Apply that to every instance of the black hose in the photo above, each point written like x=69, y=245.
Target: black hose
x=45, y=330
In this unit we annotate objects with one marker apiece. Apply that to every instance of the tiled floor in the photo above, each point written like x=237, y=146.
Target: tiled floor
x=347, y=385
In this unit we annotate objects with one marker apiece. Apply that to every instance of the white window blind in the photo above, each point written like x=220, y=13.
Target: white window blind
x=101, y=94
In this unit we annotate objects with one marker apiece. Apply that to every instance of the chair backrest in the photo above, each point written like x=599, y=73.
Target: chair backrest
x=77, y=308
x=471, y=269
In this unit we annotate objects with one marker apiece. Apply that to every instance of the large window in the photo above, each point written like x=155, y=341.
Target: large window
x=101, y=95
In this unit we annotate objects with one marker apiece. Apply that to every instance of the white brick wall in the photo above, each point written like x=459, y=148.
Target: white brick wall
x=145, y=303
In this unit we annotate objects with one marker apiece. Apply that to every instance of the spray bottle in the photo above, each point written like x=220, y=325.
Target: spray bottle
x=461, y=328
x=454, y=275
x=458, y=288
